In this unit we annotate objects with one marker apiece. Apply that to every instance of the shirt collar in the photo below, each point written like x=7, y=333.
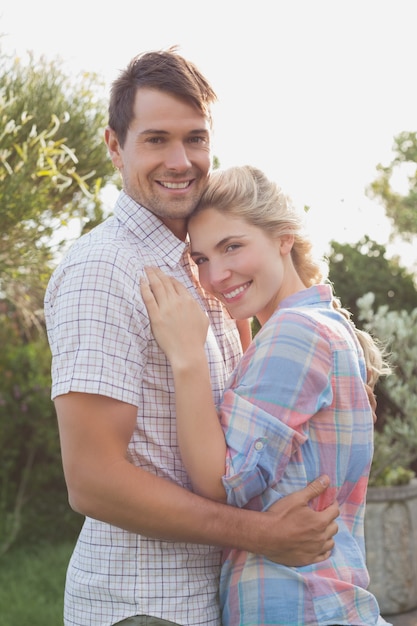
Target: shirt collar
x=149, y=229
x=316, y=294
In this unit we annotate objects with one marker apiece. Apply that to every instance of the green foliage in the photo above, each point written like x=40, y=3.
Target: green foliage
x=388, y=311
x=32, y=583
x=399, y=207
x=396, y=436
x=356, y=269
x=53, y=164
x=39, y=103
x=31, y=477
x=255, y=326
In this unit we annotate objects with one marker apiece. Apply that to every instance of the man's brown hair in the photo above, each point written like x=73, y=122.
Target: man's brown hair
x=164, y=70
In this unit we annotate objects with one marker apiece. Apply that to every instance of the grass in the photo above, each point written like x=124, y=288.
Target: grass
x=32, y=584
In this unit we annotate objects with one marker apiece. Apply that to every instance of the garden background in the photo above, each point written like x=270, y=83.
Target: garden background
x=56, y=182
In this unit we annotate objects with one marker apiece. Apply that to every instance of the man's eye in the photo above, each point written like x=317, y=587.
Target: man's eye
x=154, y=140
x=198, y=139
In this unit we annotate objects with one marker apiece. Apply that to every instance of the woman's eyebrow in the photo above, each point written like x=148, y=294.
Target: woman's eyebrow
x=219, y=244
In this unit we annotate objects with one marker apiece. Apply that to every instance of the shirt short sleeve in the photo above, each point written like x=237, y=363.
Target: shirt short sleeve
x=96, y=328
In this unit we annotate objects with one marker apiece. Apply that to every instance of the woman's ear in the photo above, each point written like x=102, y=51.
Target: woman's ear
x=286, y=243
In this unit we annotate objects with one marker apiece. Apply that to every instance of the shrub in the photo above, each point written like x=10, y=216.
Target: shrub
x=32, y=487
x=396, y=438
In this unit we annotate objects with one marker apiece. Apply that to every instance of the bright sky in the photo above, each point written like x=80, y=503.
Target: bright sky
x=311, y=91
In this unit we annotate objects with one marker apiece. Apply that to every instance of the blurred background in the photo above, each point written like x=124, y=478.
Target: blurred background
x=320, y=95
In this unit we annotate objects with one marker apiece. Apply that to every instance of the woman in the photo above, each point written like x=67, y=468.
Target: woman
x=294, y=408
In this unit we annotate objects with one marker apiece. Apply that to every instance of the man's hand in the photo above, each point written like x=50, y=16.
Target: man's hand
x=102, y=483
x=304, y=536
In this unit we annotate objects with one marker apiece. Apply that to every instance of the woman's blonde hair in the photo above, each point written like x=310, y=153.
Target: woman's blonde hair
x=245, y=192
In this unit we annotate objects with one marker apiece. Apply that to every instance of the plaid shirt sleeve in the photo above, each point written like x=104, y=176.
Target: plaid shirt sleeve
x=284, y=379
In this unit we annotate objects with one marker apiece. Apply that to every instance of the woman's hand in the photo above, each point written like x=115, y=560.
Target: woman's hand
x=178, y=322
x=180, y=327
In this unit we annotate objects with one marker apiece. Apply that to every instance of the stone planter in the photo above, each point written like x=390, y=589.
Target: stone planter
x=391, y=546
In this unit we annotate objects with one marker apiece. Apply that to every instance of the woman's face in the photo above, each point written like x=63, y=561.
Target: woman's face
x=240, y=264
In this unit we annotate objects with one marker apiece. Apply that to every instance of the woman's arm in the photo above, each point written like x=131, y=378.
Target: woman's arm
x=94, y=432
x=180, y=327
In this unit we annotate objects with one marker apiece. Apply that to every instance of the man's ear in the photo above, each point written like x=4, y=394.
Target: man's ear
x=113, y=147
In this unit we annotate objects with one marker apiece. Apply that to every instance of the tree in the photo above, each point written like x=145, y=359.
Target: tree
x=356, y=269
x=53, y=164
x=400, y=208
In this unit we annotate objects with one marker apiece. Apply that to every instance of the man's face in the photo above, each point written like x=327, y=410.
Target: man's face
x=166, y=159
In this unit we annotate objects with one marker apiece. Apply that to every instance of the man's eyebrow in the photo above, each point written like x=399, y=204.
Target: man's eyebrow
x=200, y=131
x=159, y=131
x=154, y=131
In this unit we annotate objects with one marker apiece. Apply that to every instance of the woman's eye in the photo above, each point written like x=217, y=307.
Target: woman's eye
x=232, y=246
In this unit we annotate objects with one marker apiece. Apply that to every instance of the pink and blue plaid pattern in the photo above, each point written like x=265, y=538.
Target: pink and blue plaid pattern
x=296, y=407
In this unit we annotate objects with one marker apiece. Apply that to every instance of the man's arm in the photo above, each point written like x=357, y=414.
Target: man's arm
x=102, y=483
x=245, y=332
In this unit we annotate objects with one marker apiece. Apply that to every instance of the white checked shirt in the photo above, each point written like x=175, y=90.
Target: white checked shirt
x=101, y=343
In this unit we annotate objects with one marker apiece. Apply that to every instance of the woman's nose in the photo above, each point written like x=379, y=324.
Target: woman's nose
x=218, y=274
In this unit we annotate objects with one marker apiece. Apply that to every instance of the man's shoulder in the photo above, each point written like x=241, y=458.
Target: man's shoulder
x=109, y=242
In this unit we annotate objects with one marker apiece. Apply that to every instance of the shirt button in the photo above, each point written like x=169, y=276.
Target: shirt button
x=259, y=445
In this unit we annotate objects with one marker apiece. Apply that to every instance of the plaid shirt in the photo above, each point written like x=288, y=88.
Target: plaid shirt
x=295, y=408
x=101, y=343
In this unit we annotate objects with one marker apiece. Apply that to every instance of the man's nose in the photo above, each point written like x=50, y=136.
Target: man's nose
x=177, y=157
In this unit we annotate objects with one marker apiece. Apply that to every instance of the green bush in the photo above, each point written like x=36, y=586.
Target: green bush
x=396, y=433
x=33, y=494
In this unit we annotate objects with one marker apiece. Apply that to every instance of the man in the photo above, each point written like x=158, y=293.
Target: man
x=149, y=546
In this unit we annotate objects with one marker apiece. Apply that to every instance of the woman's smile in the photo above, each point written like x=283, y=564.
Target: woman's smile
x=238, y=263
x=233, y=293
